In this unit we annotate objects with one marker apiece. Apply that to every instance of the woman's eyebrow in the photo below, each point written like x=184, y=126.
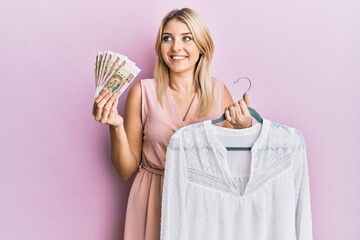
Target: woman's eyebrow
x=186, y=33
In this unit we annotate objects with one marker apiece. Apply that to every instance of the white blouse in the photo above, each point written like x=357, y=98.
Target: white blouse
x=211, y=193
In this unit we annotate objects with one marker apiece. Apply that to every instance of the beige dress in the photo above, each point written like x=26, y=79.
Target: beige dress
x=159, y=122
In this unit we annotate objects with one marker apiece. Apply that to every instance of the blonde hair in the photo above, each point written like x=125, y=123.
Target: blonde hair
x=202, y=39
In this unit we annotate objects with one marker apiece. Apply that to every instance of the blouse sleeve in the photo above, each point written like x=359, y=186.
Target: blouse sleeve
x=302, y=195
x=173, y=212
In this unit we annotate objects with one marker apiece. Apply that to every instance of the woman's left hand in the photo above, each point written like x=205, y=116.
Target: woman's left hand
x=237, y=113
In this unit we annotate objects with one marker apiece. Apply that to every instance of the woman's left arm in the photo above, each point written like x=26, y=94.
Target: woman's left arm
x=237, y=113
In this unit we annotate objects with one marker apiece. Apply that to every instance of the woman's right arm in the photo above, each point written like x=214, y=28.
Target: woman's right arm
x=125, y=134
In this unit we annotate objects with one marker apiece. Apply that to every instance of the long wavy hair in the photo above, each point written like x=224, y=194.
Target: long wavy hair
x=203, y=40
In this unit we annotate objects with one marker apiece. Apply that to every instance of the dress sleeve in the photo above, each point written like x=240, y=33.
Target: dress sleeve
x=173, y=212
x=302, y=195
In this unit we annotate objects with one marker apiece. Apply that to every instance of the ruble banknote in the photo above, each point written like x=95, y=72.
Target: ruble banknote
x=113, y=71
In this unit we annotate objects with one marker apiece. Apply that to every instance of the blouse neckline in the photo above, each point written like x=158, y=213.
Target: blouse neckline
x=212, y=130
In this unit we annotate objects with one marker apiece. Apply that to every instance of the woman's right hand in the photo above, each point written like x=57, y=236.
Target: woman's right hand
x=105, y=109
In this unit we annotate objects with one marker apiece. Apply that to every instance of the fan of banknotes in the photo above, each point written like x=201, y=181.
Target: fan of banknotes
x=114, y=72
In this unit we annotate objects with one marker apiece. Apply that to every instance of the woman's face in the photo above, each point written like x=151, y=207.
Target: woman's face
x=178, y=49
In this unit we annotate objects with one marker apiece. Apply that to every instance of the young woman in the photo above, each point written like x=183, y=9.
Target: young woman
x=181, y=93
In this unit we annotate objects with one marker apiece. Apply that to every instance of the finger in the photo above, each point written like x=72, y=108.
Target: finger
x=237, y=112
x=102, y=94
x=113, y=110
x=97, y=100
x=228, y=112
x=246, y=99
x=115, y=104
x=227, y=115
x=244, y=108
x=100, y=106
x=107, y=108
x=232, y=113
x=94, y=109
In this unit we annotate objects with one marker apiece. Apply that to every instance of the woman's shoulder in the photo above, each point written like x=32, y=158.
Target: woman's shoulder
x=142, y=89
x=148, y=81
x=217, y=83
x=216, y=80
x=135, y=91
x=147, y=84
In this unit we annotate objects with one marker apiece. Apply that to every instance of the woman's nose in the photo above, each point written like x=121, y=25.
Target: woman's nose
x=177, y=45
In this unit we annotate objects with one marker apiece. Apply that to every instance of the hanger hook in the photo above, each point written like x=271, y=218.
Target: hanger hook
x=247, y=79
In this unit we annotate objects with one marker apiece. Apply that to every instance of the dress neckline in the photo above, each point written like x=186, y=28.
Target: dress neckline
x=189, y=111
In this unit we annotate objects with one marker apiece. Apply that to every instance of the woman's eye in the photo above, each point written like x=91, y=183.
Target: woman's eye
x=167, y=38
x=187, y=38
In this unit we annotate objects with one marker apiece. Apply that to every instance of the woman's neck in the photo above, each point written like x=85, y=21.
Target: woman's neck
x=182, y=84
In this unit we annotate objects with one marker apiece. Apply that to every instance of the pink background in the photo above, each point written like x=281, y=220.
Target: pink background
x=56, y=179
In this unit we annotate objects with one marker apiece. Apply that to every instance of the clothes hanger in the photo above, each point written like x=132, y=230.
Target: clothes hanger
x=253, y=113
